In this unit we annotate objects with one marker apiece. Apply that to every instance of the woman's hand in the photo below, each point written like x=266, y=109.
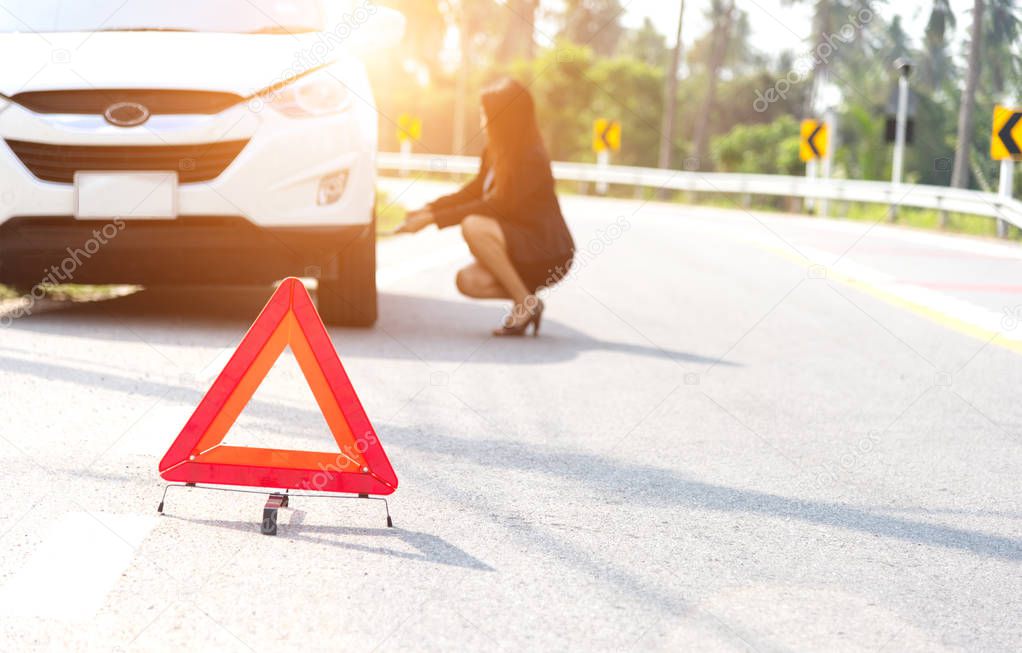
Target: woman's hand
x=415, y=221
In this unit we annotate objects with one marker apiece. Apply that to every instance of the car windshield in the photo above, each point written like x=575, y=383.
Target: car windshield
x=232, y=16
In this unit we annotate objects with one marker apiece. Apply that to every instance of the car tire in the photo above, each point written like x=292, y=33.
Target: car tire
x=350, y=299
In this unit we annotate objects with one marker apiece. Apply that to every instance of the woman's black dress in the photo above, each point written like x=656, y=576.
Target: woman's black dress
x=538, y=240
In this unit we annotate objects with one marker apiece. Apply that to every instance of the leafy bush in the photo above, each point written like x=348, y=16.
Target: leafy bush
x=770, y=148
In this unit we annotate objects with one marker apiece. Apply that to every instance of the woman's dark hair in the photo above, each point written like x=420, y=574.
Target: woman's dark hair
x=511, y=130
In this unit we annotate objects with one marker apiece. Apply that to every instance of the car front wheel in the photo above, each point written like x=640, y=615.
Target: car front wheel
x=350, y=299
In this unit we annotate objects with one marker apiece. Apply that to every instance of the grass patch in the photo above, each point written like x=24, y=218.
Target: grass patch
x=388, y=214
x=75, y=292
x=962, y=223
x=70, y=292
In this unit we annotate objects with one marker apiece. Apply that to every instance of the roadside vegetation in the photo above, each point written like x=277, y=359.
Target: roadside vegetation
x=737, y=109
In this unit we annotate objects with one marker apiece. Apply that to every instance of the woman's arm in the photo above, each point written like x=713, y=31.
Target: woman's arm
x=534, y=173
x=471, y=191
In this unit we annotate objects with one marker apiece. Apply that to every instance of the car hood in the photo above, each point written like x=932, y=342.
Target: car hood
x=235, y=63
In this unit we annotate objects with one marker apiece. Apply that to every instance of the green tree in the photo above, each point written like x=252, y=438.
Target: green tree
x=594, y=23
x=564, y=98
x=863, y=156
x=573, y=87
x=646, y=44
x=636, y=103
x=770, y=148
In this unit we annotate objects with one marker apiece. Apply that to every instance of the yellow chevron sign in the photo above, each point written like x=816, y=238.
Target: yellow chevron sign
x=813, y=143
x=1006, y=141
x=606, y=135
x=409, y=128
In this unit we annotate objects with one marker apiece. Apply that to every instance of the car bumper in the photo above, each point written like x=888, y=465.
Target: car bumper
x=273, y=182
x=197, y=250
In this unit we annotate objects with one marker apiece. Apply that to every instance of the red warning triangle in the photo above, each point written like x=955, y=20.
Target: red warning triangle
x=198, y=455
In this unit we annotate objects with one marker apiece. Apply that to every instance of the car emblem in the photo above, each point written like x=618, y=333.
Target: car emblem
x=126, y=114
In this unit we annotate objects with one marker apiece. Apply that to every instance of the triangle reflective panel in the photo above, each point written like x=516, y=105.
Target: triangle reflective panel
x=198, y=455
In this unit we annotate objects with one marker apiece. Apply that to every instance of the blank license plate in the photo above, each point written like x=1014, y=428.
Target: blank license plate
x=135, y=195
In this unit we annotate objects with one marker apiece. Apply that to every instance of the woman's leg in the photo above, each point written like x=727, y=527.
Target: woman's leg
x=477, y=282
x=486, y=241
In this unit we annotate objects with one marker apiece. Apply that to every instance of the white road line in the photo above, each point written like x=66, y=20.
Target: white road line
x=69, y=576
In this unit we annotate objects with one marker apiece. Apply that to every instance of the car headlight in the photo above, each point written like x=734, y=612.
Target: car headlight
x=317, y=94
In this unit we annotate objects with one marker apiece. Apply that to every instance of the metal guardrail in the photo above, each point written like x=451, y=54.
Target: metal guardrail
x=941, y=198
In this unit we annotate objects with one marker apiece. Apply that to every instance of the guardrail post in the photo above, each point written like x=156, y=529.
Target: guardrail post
x=901, y=127
x=406, y=157
x=602, y=163
x=830, y=119
x=808, y=200
x=1004, y=191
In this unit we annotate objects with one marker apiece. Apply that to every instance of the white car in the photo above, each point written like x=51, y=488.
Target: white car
x=190, y=142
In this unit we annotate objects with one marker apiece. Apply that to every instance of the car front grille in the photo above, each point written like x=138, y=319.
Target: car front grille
x=193, y=163
x=96, y=101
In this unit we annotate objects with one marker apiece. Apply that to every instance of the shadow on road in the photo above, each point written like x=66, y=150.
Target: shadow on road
x=646, y=485
x=423, y=328
x=428, y=548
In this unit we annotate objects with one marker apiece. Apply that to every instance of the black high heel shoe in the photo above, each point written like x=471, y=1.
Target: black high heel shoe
x=535, y=317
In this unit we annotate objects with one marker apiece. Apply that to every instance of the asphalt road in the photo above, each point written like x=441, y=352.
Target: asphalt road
x=736, y=432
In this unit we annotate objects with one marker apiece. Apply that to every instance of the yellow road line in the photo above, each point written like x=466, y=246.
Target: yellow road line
x=932, y=314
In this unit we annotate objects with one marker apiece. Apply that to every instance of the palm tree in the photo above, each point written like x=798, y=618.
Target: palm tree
x=671, y=98
x=463, y=18
x=477, y=42
x=829, y=17
x=725, y=17
x=518, y=38
x=960, y=172
x=898, y=42
x=1001, y=33
x=937, y=66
